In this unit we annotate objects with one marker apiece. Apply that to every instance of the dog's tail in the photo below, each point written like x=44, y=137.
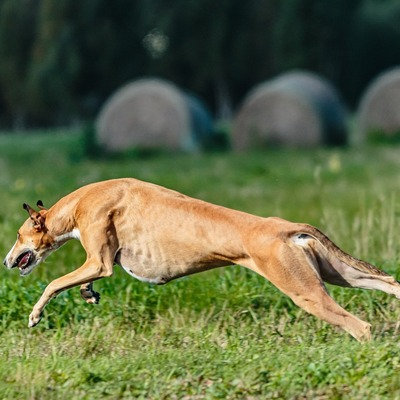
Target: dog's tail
x=333, y=253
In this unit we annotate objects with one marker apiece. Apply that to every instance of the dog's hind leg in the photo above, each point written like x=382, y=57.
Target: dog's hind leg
x=295, y=273
x=88, y=294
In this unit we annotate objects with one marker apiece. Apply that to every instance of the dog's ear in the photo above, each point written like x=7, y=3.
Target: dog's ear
x=37, y=218
x=30, y=210
x=40, y=205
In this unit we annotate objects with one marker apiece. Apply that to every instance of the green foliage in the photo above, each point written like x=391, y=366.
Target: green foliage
x=223, y=334
x=314, y=35
x=380, y=137
x=374, y=31
x=67, y=57
x=17, y=30
x=55, y=63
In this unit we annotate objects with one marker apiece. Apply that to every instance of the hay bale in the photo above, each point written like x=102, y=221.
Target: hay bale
x=296, y=109
x=202, y=130
x=379, y=112
x=149, y=114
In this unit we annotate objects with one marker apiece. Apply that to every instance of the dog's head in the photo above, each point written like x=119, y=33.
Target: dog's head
x=34, y=243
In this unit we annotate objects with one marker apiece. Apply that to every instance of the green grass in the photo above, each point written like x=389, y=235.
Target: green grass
x=224, y=334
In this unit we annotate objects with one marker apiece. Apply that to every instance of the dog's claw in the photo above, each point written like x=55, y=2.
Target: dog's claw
x=97, y=297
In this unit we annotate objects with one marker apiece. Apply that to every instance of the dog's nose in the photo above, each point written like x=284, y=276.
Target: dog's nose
x=5, y=262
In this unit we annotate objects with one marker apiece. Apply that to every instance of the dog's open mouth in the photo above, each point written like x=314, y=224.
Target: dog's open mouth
x=23, y=261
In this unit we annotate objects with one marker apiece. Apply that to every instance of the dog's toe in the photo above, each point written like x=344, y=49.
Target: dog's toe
x=34, y=319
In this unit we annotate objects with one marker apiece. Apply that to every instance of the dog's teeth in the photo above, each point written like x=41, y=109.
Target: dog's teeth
x=24, y=261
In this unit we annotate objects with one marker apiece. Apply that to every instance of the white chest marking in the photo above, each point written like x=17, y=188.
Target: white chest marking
x=74, y=234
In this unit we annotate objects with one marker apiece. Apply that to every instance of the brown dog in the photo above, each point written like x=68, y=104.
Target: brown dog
x=158, y=235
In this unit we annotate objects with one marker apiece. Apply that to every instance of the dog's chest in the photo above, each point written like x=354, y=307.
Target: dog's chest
x=148, y=264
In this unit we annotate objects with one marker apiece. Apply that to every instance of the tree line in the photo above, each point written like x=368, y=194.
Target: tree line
x=60, y=60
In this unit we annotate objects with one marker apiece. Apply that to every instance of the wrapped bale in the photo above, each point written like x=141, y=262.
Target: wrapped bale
x=152, y=114
x=296, y=109
x=379, y=109
x=202, y=130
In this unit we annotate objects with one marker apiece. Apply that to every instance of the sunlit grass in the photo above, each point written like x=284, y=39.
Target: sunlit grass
x=224, y=334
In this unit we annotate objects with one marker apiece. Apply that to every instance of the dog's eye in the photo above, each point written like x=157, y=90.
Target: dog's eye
x=18, y=235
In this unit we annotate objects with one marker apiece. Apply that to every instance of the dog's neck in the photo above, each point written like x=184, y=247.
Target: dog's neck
x=64, y=237
x=60, y=222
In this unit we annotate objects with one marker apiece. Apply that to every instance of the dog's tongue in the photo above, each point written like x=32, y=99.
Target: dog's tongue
x=24, y=260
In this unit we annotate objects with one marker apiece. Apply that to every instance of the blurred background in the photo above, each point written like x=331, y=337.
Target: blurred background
x=62, y=64
x=272, y=107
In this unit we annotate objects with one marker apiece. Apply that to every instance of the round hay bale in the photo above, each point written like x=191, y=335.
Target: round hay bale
x=296, y=109
x=148, y=114
x=201, y=123
x=379, y=109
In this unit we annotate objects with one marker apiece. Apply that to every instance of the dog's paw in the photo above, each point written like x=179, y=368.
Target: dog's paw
x=90, y=296
x=93, y=299
x=34, y=318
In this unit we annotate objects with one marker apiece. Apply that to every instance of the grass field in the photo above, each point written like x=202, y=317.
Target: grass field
x=224, y=334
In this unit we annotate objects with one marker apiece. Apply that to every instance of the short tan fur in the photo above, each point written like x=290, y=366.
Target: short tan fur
x=157, y=235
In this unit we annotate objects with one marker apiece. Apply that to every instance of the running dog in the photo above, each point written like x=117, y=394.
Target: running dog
x=156, y=235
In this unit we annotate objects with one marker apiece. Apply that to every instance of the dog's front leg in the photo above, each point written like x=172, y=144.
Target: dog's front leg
x=90, y=271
